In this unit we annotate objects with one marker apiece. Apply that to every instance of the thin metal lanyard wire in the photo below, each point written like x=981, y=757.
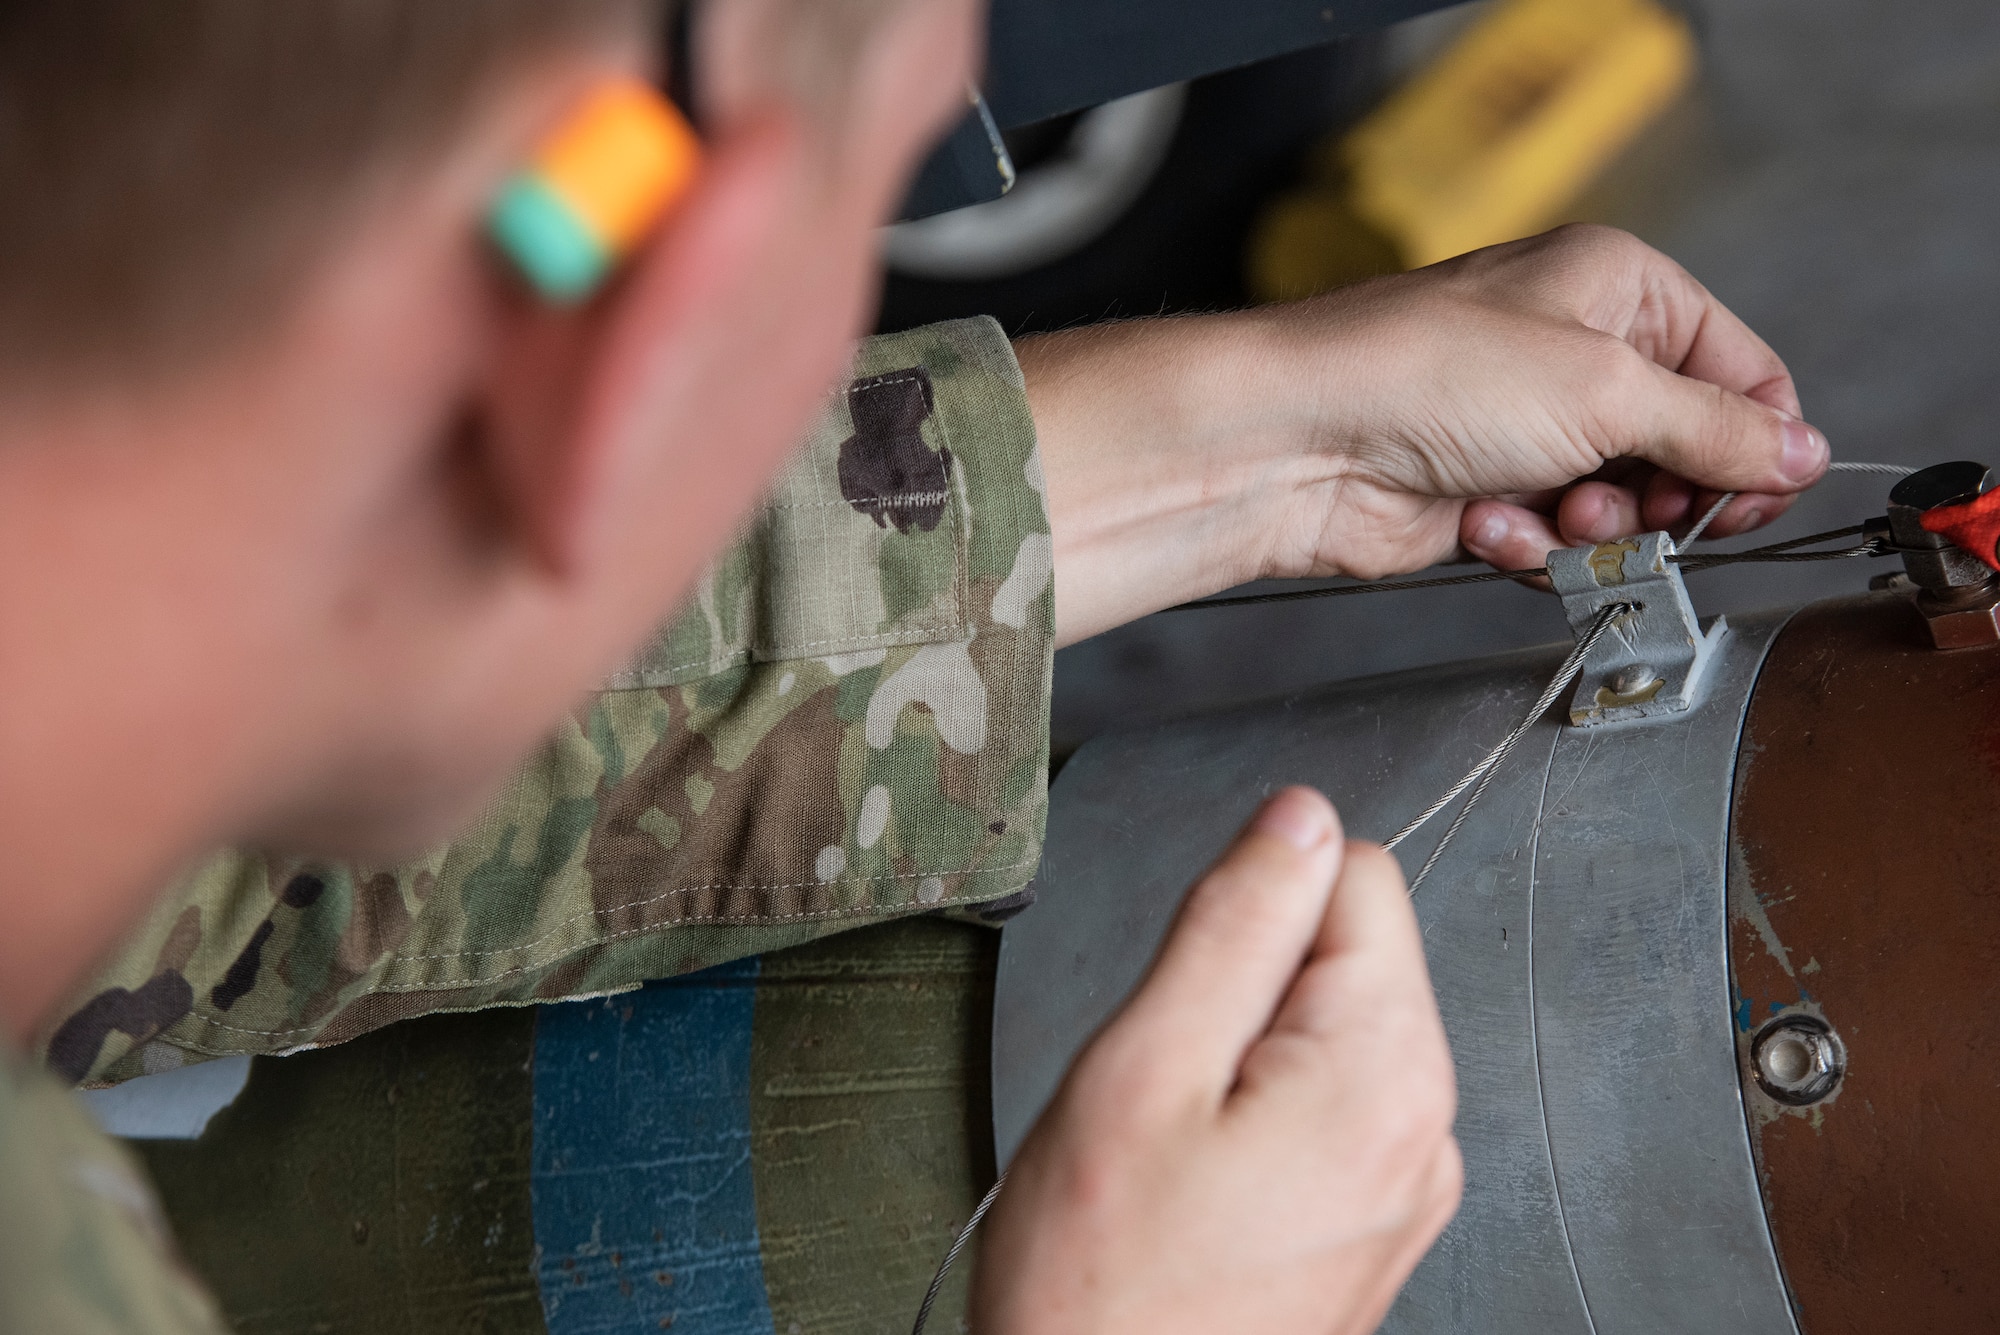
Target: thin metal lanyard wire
x=1572, y=667
x=1722, y=503
x=1689, y=563
x=1481, y=774
x=957, y=1246
x=1777, y=551
x=1489, y=764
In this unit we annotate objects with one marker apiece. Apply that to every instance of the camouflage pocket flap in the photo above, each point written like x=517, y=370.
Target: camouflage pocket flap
x=859, y=548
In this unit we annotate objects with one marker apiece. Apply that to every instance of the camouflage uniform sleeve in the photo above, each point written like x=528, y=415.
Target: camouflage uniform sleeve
x=847, y=722
x=84, y=1249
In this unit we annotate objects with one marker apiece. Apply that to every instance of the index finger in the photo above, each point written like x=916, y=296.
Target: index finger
x=1239, y=938
x=1359, y=1030
x=1369, y=921
x=1676, y=322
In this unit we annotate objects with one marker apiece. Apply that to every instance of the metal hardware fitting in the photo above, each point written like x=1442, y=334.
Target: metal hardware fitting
x=1653, y=661
x=1958, y=593
x=1798, y=1059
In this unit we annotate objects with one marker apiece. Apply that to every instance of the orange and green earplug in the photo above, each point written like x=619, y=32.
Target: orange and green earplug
x=594, y=188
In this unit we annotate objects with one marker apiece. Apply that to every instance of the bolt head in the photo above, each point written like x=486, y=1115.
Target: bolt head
x=1940, y=484
x=1969, y=624
x=1633, y=678
x=1798, y=1059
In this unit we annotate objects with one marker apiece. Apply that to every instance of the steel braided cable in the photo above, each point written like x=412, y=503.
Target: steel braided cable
x=957, y=1246
x=1777, y=551
x=1690, y=564
x=1891, y=470
x=1375, y=586
x=1566, y=675
x=1851, y=531
x=1755, y=554
x=1701, y=525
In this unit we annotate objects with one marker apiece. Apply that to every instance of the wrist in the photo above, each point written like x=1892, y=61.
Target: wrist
x=1169, y=456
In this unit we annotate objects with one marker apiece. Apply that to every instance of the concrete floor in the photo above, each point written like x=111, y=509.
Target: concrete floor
x=1836, y=180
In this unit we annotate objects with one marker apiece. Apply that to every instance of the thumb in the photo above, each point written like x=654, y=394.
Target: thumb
x=1240, y=938
x=1711, y=435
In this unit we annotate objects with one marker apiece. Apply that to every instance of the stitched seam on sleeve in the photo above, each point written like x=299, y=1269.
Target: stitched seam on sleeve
x=912, y=497
x=949, y=901
x=664, y=895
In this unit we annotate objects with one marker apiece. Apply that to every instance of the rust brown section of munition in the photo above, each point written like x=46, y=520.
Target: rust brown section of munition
x=1865, y=891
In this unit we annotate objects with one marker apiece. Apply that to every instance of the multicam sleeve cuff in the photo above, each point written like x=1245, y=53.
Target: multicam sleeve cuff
x=848, y=722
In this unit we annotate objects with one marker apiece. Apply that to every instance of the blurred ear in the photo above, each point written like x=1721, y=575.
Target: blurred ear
x=573, y=395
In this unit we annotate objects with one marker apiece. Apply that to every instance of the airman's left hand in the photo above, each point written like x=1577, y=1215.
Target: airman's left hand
x=1569, y=388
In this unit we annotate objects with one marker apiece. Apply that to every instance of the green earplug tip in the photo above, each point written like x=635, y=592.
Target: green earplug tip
x=547, y=241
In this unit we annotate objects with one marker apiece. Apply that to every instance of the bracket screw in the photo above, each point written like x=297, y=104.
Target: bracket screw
x=1798, y=1059
x=1632, y=678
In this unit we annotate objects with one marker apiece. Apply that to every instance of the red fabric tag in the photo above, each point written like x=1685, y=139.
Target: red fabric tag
x=1973, y=525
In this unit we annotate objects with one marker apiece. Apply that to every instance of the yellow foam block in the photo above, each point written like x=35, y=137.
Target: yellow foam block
x=1501, y=132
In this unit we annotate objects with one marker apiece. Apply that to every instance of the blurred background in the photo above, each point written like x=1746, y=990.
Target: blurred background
x=1830, y=170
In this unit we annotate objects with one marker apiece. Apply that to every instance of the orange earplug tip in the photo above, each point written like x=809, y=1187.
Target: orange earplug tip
x=595, y=186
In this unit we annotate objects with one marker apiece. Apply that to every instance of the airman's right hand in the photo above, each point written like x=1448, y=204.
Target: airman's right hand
x=1261, y=1140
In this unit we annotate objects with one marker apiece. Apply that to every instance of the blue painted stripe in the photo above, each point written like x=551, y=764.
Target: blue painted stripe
x=645, y=1212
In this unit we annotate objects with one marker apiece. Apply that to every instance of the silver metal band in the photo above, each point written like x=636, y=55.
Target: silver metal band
x=1577, y=938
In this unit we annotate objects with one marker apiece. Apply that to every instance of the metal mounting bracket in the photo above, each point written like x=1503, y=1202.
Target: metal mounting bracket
x=1654, y=659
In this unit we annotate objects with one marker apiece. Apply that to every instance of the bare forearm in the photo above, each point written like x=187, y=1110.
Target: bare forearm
x=1371, y=431
x=1157, y=494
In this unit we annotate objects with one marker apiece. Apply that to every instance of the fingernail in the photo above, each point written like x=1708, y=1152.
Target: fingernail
x=1491, y=532
x=1753, y=518
x=1295, y=817
x=1805, y=452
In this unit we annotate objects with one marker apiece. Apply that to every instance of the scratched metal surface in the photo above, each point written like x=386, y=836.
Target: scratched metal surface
x=1566, y=952
x=1635, y=1040
x=1865, y=889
